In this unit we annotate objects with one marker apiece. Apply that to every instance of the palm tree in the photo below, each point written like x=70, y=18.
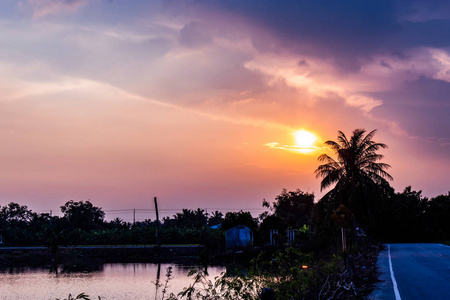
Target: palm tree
x=357, y=173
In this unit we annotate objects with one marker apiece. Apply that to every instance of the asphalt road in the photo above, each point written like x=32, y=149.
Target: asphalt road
x=413, y=271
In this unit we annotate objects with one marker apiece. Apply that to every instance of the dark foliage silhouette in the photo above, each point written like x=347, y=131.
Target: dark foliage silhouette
x=358, y=176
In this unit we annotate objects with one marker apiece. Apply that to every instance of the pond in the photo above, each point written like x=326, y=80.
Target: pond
x=109, y=281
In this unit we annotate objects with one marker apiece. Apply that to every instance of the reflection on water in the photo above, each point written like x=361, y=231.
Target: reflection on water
x=109, y=281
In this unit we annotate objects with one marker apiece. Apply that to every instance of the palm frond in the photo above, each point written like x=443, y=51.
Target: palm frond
x=342, y=140
x=357, y=135
x=370, y=156
x=368, y=137
x=375, y=147
x=333, y=145
x=329, y=179
x=325, y=158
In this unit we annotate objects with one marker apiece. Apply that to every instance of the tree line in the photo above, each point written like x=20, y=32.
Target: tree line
x=358, y=178
x=406, y=216
x=83, y=223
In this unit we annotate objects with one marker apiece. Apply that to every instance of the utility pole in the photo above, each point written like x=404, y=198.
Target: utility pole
x=134, y=216
x=206, y=227
x=157, y=226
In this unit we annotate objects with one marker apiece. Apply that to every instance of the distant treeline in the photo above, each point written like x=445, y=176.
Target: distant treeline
x=83, y=223
x=400, y=217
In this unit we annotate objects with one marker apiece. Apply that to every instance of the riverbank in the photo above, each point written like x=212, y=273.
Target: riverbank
x=327, y=277
x=40, y=255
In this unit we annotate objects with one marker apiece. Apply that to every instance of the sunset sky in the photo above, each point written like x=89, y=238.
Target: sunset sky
x=198, y=102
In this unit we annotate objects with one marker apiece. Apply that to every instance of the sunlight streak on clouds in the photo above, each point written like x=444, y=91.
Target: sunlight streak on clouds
x=312, y=82
x=295, y=148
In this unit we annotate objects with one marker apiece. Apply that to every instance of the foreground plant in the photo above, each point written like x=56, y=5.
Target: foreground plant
x=82, y=296
x=226, y=288
x=290, y=273
x=165, y=286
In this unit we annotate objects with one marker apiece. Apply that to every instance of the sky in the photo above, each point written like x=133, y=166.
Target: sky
x=197, y=102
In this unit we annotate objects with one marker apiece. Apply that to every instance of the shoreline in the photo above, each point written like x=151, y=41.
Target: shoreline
x=84, y=254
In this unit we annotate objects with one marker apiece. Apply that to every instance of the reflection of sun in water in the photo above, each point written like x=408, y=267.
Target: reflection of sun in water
x=305, y=141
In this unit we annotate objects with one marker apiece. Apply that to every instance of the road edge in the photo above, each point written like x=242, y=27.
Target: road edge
x=384, y=289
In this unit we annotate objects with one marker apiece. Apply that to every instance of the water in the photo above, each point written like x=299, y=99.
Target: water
x=109, y=281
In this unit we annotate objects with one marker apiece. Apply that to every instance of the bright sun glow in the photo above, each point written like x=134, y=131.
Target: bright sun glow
x=305, y=141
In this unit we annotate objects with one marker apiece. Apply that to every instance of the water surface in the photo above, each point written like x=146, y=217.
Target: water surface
x=109, y=281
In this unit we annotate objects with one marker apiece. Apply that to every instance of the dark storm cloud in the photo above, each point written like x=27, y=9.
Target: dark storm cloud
x=422, y=106
x=333, y=28
x=433, y=33
x=347, y=31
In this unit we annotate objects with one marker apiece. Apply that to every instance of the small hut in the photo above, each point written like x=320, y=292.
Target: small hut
x=239, y=237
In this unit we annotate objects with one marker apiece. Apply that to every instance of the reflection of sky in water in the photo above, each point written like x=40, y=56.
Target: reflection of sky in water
x=113, y=281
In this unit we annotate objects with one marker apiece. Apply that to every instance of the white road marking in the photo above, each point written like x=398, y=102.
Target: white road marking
x=394, y=282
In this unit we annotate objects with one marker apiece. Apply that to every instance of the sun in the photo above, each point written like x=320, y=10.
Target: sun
x=305, y=140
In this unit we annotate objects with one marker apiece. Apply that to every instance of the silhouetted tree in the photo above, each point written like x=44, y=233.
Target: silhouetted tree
x=436, y=218
x=83, y=214
x=405, y=217
x=216, y=218
x=357, y=175
x=295, y=207
x=187, y=218
x=15, y=224
x=233, y=219
x=16, y=212
x=118, y=223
